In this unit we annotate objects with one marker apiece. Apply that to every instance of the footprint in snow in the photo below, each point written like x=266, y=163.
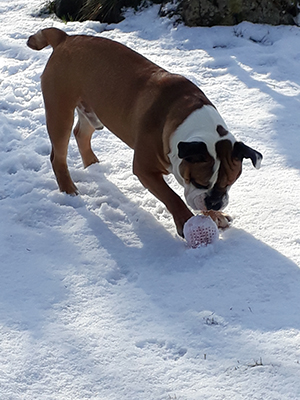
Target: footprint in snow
x=165, y=350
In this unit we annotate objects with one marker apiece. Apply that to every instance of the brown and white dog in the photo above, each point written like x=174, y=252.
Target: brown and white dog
x=165, y=118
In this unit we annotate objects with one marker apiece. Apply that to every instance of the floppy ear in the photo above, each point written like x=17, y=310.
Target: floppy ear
x=193, y=151
x=240, y=151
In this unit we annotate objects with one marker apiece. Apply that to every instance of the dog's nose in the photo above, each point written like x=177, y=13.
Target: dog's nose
x=213, y=203
x=216, y=200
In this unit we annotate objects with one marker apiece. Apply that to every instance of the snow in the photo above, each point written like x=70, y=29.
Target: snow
x=99, y=298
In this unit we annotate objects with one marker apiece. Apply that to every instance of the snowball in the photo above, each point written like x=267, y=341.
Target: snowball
x=200, y=230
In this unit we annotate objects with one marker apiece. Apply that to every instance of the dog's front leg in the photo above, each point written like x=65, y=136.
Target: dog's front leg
x=156, y=184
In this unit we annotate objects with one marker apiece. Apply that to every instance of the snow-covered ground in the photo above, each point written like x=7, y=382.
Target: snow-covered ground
x=99, y=298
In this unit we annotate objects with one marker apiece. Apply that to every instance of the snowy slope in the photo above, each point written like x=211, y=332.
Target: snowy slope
x=99, y=298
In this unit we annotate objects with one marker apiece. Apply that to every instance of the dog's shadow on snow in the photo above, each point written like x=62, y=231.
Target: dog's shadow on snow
x=122, y=227
x=239, y=280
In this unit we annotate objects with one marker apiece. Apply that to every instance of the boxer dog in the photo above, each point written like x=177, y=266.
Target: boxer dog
x=166, y=119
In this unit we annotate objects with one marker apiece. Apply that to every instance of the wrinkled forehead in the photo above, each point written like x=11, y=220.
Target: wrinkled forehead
x=206, y=124
x=217, y=145
x=224, y=170
x=203, y=125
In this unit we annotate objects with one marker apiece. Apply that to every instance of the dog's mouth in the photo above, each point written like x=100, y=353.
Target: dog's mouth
x=217, y=199
x=205, y=201
x=195, y=199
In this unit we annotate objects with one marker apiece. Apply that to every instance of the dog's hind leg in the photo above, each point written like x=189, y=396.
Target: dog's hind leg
x=59, y=124
x=83, y=131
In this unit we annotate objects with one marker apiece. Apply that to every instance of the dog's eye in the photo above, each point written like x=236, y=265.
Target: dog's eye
x=198, y=185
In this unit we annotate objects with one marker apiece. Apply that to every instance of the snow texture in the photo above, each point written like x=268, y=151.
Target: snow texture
x=99, y=298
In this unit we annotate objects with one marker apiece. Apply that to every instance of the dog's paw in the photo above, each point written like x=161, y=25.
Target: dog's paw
x=221, y=219
x=181, y=220
x=70, y=189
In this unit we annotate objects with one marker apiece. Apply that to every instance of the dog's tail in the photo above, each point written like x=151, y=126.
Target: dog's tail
x=45, y=37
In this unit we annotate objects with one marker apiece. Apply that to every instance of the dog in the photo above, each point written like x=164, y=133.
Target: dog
x=166, y=119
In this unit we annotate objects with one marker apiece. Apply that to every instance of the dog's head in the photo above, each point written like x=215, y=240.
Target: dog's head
x=206, y=159
x=208, y=175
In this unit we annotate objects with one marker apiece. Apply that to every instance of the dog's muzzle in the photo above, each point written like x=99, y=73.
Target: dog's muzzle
x=213, y=199
x=216, y=200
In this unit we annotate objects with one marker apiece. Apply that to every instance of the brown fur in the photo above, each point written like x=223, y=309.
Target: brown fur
x=134, y=98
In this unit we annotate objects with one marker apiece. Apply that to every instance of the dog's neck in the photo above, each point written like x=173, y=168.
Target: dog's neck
x=200, y=126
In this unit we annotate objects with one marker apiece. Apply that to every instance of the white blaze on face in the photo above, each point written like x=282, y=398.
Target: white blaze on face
x=200, y=126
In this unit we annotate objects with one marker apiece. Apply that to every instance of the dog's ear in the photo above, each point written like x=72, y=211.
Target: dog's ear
x=193, y=151
x=240, y=151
